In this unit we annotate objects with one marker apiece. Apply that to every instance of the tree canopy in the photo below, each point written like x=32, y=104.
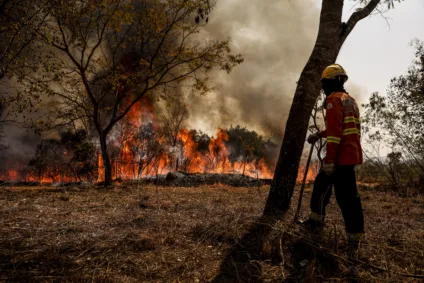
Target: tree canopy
x=397, y=119
x=95, y=60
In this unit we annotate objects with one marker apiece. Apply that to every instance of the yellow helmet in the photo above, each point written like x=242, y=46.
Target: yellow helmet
x=334, y=71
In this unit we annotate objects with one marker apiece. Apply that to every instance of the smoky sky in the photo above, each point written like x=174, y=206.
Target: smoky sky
x=275, y=38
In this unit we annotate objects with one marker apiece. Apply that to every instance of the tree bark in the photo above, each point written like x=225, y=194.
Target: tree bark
x=106, y=160
x=331, y=36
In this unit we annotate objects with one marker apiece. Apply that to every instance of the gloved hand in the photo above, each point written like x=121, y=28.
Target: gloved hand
x=328, y=168
x=313, y=138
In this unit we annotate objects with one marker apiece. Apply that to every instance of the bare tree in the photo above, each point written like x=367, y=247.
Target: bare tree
x=175, y=114
x=148, y=150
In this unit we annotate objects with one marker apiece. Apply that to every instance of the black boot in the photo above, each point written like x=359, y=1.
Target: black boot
x=352, y=249
x=310, y=224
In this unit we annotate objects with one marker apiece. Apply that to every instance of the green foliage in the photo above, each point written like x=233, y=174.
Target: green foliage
x=147, y=149
x=82, y=154
x=98, y=59
x=74, y=155
x=396, y=121
x=47, y=162
x=20, y=23
x=400, y=114
x=244, y=142
x=78, y=143
x=95, y=60
x=201, y=139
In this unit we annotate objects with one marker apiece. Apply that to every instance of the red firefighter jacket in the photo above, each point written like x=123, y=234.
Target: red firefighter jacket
x=343, y=131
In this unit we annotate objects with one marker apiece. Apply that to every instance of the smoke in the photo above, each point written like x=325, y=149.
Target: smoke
x=19, y=147
x=276, y=38
x=17, y=144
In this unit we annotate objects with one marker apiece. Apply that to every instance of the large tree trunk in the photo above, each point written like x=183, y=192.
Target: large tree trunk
x=331, y=36
x=106, y=160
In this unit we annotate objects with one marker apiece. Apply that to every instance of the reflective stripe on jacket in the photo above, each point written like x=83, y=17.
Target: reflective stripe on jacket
x=343, y=131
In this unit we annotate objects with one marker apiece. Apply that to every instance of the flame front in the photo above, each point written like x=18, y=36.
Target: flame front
x=139, y=149
x=189, y=159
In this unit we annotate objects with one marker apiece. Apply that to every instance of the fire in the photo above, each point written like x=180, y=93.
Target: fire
x=216, y=159
x=101, y=175
x=310, y=175
x=24, y=176
x=139, y=148
x=129, y=165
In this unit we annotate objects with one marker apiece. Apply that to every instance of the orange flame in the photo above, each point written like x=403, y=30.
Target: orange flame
x=310, y=175
x=132, y=162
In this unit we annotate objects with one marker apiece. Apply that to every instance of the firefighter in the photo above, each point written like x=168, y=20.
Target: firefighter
x=343, y=153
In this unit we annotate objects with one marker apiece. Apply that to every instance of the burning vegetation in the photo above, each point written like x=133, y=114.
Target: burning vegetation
x=145, y=146
x=91, y=80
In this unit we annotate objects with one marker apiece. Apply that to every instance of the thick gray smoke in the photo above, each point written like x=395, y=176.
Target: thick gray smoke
x=276, y=38
x=17, y=145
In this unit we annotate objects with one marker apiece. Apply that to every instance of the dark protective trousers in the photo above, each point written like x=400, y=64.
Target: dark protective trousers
x=347, y=196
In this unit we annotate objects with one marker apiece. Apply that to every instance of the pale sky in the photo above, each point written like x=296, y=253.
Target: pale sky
x=374, y=52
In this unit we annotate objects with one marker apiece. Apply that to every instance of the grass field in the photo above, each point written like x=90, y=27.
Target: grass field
x=136, y=233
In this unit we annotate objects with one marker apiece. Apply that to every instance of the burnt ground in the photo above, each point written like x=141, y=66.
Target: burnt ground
x=143, y=233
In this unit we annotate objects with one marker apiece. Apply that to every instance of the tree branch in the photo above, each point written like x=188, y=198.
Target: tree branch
x=99, y=41
x=357, y=16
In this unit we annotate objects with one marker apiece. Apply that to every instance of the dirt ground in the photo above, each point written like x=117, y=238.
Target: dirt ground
x=137, y=233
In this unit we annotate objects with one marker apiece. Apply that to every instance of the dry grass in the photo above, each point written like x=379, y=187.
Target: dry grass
x=134, y=233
